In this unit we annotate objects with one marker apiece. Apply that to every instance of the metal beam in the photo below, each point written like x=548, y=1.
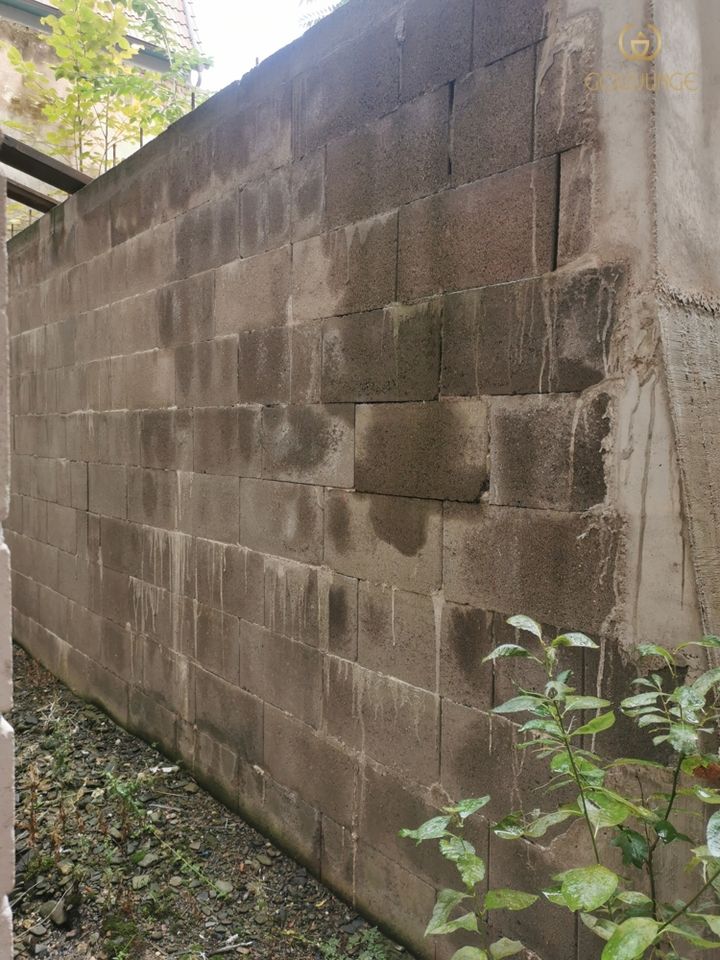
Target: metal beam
x=36, y=164
x=28, y=196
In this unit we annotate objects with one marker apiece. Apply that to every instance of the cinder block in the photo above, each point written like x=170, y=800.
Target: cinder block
x=349, y=270
x=282, y=815
x=404, y=901
x=398, y=633
x=547, y=335
x=114, y=437
x=43, y=479
x=166, y=439
x=577, y=187
x=228, y=440
x=436, y=44
x=132, y=325
x=150, y=379
x=186, y=310
x=566, y=110
x=231, y=579
x=107, y=489
x=116, y=650
x=339, y=615
x=231, y=715
x=554, y=566
x=168, y=560
x=548, y=451
x=390, y=721
x=152, y=497
x=281, y=671
x=466, y=768
x=389, y=803
x=121, y=546
x=502, y=28
x=491, y=231
x=356, y=82
x=389, y=539
x=280, y=365
x=481, y=144
x=524, y=865
x=217, y=642
x=293, y=600
x=432, y=450
x=389, y=161
x=71, y=386
x=207, y=373
x=311, y=765
x=98, y=385
x=71, y=484
x=209, y=506
x=309, y=444
x=117, y=598
x=307, y=195
x=167, y=678
x=254, y=294
x=62, y=527
x=206, y=236
x=468, y=635
x=150, y=261
x=254, y=137
x=284, y=519
x=151, y=720
x=265, y=213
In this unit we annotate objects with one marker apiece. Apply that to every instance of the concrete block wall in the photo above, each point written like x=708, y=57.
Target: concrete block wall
x=313, y=392
x=7, y=790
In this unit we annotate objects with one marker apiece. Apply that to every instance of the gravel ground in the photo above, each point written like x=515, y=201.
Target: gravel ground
x=122, y=856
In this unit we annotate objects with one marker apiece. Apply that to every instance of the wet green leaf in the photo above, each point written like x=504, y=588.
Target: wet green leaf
x=527, y=624
x=596, y=725
x=440, y=922
x=506, y=899
x=504, y=948
x=588, y=888
x=713, y=835
x=430, y=830
x=631, y=939
x=574, y=640
x=506, y=650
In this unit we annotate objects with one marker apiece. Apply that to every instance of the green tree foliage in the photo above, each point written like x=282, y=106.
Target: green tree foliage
x=96, y=100
x=629, y=807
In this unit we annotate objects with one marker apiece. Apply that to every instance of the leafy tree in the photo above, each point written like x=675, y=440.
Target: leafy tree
x=635, y=822
x=97, y=99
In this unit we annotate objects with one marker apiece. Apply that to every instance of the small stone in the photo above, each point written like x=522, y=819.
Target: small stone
x=176, y=881
x=223, y=886
x=38, y=930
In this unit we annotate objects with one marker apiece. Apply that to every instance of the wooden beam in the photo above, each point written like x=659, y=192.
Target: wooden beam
x=28, y=196
x=36, y=164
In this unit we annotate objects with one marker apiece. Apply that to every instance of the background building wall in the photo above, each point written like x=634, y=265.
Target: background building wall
x=315, y=390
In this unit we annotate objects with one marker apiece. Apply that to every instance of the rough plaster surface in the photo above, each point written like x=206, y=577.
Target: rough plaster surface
x=282, y=423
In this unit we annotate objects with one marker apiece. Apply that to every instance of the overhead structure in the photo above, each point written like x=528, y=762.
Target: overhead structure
x=28, y=160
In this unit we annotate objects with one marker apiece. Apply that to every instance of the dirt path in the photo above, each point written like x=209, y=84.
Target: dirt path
x=121, y=856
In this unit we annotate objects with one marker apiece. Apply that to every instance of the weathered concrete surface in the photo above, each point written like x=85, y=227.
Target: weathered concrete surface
x=7, y=791
x=325, y=382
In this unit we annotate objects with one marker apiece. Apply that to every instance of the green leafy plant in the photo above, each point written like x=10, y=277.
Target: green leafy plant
x=96, y=99
x=627, y=816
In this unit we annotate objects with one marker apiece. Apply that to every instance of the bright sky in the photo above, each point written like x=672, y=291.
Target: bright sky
x=237, y=32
